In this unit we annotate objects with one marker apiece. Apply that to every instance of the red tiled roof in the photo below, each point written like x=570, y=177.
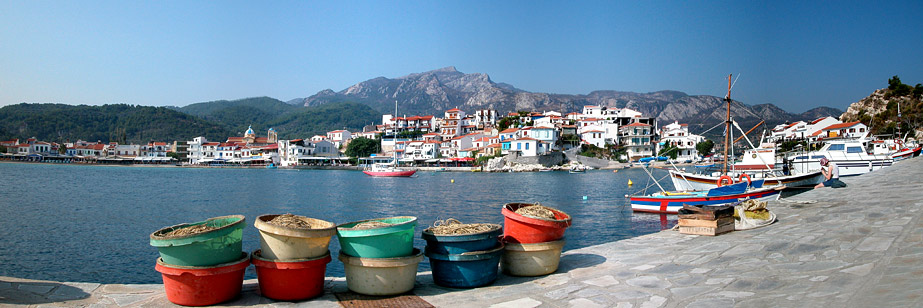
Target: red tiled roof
x=271, y=146
x=590, y=106
x=817, y=133
x=842, y=125
x=495, y=145
x=526, y=139
x=818, y=120
x=452, y=110
x=210, y=144
x=593, y=131
x=336, y=131
x=509, y=130
x=589, y=120
x=636, y=124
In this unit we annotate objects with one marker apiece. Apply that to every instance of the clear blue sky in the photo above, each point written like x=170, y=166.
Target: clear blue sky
x=797, y=55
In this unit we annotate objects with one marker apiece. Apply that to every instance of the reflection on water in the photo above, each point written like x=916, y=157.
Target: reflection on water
x=92, y=223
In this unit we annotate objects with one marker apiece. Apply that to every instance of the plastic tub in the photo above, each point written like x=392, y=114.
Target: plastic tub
x=290, y=280
x=391, y=241
x=456, y=244
x=534, y=259
x=381, y=276
x=214, y=247
x=521, y=229
x=203, y=285
x=466, y=270
x=282, y=243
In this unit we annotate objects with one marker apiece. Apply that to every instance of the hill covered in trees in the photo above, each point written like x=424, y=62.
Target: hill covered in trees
x=880, y=109
x=119, y=122
x=215, y=120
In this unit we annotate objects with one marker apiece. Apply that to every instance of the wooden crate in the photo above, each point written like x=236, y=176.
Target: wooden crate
x=683, y=222
x=712, y=231
x=705, y=213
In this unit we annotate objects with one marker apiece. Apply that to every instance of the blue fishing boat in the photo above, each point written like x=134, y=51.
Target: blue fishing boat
x=665, y=202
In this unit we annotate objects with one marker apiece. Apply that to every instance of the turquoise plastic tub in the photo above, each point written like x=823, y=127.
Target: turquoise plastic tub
x=221, y=245
x=392, y=241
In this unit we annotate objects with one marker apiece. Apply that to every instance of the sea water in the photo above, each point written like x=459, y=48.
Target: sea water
x=92, y=223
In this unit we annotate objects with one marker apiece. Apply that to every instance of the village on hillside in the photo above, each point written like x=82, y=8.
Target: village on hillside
x=457, y=137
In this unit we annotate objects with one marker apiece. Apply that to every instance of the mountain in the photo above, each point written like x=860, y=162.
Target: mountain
x=433, y=92
x=289, y=121
x=141, y=124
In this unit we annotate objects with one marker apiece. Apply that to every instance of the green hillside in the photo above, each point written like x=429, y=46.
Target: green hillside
x=119, y=122
x=318, y=120
x=237, y=115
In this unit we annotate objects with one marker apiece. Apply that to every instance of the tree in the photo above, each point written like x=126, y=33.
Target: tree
x=173, y=155
x=704, y=148
x=361, y=147
x=669, y=150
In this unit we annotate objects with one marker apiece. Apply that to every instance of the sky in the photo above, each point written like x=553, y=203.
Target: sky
x=795, y=54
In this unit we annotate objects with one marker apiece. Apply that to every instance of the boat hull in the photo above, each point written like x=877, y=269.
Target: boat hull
x=672, y=204
x=689, y=181
x=402, y=173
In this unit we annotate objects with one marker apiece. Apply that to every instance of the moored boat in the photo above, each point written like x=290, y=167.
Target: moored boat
x=385, y=170
x=671, y=202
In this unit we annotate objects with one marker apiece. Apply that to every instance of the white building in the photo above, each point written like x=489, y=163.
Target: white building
x=339, y=137
x=678, y=135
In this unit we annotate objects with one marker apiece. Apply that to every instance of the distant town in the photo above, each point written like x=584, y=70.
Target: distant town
x=457, y=137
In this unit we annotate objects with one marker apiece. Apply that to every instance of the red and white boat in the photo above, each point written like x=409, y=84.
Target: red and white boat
x=386, y=170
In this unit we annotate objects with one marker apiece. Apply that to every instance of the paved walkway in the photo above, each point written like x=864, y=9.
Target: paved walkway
x=858, y=246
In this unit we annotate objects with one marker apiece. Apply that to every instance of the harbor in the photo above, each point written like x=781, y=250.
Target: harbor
x=829, y=248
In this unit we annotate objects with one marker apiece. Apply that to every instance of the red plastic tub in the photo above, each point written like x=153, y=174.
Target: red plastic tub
x=528, y=230
x=290, y=280
x=203, y=285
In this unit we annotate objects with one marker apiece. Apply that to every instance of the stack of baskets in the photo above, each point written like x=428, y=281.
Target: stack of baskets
x=464, y=259
x=532, y=244
x=202, y=263
x=292, y=260
x=378, y=255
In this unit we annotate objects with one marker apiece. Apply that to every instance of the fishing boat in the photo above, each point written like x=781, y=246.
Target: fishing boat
x=906, y=153
x=577, y=169
x=387, y=170
x=758, y=163
x=665, y=202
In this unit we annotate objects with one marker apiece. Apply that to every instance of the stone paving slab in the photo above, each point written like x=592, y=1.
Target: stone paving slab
x=858, y=246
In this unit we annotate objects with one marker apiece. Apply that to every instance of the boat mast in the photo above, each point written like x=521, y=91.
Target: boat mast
x=727, y=126
x=394, y=118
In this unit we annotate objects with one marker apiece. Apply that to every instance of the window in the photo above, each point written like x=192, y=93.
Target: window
x=837, y=147
x=853, y=150
x=519, y=146
x=852, y=130
x=527, y=146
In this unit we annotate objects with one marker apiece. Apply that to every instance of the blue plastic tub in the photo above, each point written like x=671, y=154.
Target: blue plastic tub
x=466, y=270
x=457, y=244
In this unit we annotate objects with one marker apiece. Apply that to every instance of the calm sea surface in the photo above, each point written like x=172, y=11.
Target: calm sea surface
x=91, y=223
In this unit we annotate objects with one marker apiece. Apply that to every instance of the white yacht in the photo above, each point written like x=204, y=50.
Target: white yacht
x=850, y=157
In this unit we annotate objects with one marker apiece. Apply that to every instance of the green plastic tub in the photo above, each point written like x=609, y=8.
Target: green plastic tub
x=392, y=241
x=221, y=245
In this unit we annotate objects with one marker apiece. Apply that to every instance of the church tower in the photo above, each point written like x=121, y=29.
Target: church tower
x=271, y=136
x=249, y=136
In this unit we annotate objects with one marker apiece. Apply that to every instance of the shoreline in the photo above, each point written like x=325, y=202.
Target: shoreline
x=829, y=248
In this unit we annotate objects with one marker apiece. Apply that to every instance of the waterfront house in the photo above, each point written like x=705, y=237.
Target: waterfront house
x=677, y=135
x=636, y=138
x=547, y=135
x=452, y=123
x=594, y=137
x=154, y=149
x=845, y=130
x=526, y=146
x=338, y=137
x=509, y=133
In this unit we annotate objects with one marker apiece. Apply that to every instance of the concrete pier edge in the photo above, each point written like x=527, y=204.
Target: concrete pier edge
x=858, y=246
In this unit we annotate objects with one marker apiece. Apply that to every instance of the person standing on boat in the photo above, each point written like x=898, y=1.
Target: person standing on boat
x=831, y=174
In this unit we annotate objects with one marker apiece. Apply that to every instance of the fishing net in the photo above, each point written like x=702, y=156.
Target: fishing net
x=535, y=211
x=291, y=221
x=752, y=214
x=370, y=225
x=452, y=226
x=190, y=230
